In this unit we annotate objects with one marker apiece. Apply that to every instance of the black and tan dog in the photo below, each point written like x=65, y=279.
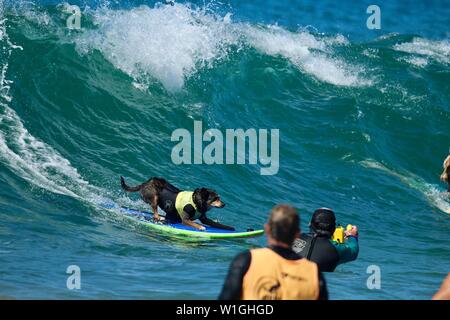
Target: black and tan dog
x=179, y=206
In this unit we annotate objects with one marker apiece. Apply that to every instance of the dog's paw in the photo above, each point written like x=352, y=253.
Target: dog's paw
x=157, y=219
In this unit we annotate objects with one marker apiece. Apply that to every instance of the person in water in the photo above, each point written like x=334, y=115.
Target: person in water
x=445, y=176
x=319, y=247
x=444, y=291
x=275, y=272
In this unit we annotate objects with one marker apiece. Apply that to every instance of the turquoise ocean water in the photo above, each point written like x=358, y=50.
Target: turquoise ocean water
x=364, y=119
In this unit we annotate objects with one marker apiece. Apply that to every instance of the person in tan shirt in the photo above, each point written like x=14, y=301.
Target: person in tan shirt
x=444, y=291
x=275, y=272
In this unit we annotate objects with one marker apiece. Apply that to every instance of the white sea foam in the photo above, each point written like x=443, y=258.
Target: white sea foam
x=431, y=192
x=425, y=50
x=309, y=53
x=167, y=42
x=371, y=53
x=171, y=43
x=27, y=156
x=416, y=61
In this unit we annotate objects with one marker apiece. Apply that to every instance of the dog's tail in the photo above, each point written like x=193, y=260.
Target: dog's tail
x=127, y=188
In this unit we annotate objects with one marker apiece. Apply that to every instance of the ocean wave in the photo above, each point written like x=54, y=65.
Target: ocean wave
x=28, y=157
x=171, y=43
x=425, y=51
x=308, y=53
x=434, y=195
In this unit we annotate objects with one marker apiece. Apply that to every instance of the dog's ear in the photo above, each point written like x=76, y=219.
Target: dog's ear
x=204, y=193
x=212, y=194
x=200, y=199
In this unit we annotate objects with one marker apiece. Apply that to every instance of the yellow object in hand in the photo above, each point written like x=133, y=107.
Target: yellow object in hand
x=338, y=234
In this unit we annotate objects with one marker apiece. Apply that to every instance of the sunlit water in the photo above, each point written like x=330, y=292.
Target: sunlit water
x=363, y=118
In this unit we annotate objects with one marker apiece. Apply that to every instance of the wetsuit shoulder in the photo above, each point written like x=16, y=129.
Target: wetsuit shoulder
x=301, y=245
x=323, y=253
x=232, y=287
x=347, y=251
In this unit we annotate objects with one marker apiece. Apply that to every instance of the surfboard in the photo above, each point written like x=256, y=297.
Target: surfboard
x=145, y=219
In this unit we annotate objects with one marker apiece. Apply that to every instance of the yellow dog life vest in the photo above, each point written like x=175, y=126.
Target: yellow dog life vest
x=183, y=199
x=271, y=277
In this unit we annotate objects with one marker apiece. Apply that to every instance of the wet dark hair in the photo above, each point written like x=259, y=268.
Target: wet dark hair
x=323, y=222
x=203, y=197
x=284, y=223
x=200, y=198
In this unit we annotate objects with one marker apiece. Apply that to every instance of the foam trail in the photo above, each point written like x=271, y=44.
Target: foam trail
x=308, y=53
x=424, y=50
x=28, y=157
x=431, y=192
x=33, y=160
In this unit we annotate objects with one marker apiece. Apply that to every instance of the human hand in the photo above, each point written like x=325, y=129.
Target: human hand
x=352, y=232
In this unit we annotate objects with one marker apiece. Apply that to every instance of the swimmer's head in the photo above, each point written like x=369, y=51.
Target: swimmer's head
x=323, y=222
x=283, y=224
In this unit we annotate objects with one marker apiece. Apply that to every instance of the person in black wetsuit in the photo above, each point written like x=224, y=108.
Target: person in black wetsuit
x=275, y=272
x=318, y=246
